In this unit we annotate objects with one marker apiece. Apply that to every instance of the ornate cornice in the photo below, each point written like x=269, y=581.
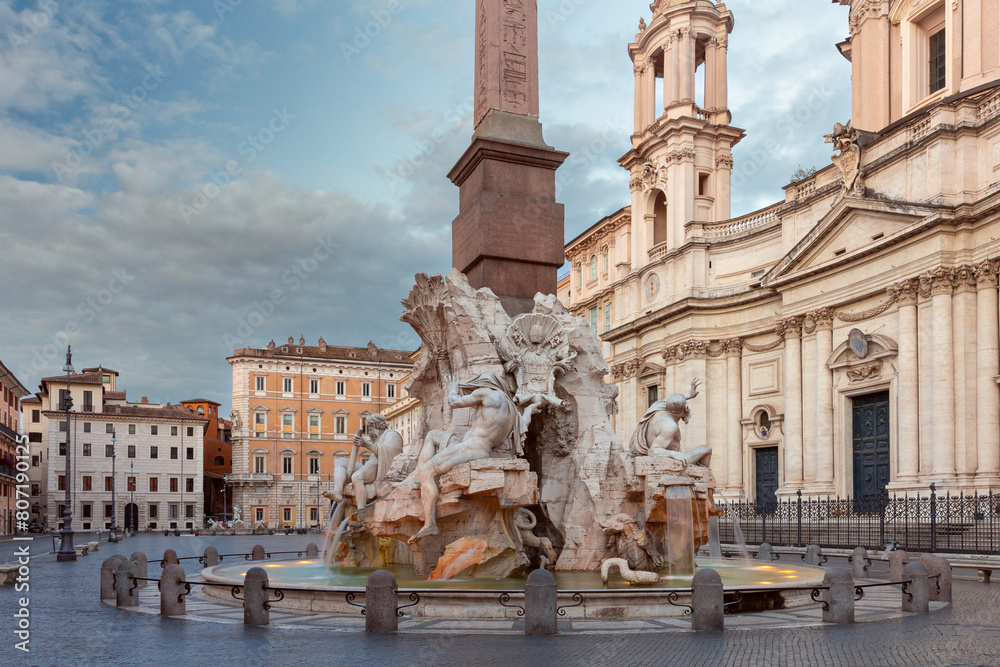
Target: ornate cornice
x=865, y=10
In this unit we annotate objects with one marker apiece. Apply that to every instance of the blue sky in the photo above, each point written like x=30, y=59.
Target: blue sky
x=170, y=171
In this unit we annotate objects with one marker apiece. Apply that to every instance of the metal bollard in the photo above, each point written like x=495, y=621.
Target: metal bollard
x=939, y=588
x=707, y=602
x=211, y=557
x=141, y=565
x=915, y=596
x=255, y=607
x=764, y=552
x=169, y=558
x=381, y=603
x=108, y=569
x=172, y=591
x=257, y=553
x=859, y=563
x=839, y=596
x=540, y=604
x=126, y=591
x=312, y=551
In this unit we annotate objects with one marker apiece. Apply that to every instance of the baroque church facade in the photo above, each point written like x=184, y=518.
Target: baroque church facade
x=847, y=335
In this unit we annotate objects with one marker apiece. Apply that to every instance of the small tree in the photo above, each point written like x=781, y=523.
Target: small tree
x=802, y=174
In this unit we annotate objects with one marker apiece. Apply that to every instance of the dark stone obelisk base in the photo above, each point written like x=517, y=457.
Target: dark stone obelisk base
x=509, y=233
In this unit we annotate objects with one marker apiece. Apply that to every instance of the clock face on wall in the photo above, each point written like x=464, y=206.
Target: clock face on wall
x=652, y=287
x=858, y=343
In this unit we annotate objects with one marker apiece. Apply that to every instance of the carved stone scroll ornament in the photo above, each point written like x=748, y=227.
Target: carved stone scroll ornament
x=865, y=372
x=845, y=139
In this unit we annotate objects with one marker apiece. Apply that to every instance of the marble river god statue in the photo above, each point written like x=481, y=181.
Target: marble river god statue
x=659, y=432
x=384, y=443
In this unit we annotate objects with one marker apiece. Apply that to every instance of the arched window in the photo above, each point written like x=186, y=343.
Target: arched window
x=201, y=410
x=660, y=219
x=593, y=267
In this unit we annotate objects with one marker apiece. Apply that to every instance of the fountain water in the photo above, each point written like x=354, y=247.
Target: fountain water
x=679, y=531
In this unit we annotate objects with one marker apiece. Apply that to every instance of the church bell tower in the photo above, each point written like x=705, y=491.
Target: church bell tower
x=681, y=159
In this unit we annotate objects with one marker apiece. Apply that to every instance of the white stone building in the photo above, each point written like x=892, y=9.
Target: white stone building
x=847, y=335
x=157, y=469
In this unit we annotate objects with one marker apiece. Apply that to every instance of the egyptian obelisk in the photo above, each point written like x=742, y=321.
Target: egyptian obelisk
x=509, y=233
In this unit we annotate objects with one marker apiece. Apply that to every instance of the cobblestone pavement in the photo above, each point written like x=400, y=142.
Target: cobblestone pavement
x=70, y=625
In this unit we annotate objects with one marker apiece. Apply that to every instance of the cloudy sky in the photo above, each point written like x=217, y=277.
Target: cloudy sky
x=179, y=178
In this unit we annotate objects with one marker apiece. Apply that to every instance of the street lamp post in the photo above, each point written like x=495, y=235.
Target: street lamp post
x=113, y=537
x=131, y=498
x=66, y=550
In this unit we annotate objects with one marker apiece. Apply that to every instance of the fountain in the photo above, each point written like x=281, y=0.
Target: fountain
x=521, y=469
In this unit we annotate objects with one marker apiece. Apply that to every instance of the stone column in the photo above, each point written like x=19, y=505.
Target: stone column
x=734, y=415
x=792, y=330
x=907, y=392
x=722, y=75
x=687, y=66
x=963, y=327
x=711, y=63
x=671, y=72
x=824, y=401
x=721, y=209
x=808, y=389
x=987, y=369
x=640, y=66
x=695, y=355
x=941, y=286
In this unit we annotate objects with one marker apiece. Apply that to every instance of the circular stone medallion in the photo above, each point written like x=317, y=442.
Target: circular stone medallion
x=652, y=288
x=858, y=343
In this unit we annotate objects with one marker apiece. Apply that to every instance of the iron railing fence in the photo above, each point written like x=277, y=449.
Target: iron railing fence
x=962, y=524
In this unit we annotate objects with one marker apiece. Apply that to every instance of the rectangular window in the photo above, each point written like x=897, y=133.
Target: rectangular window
x=109, y=428
x=88, y=401
x=366, y=389
x=286, y=465
x=88, y=483
x=154, y=430
x=259, y=382
x=173, y=511
x=313, y=421
x=390, y=390
x=62, y=406
x=109, y=483
x=131, y=429
x=189, y=511
x=653, y=395
x=190, y=431
x=286, y=420
x=62, y=449
x=286, y=514
x=593, y=318
x=313, y=386
x=258, y=464
x=109, y=451
x=131, y=451
x=258, y=514
x=107, y=511
x=341, y=425
x=131, y=484
x=35, y=461
x=313, y=514
x=36, y=489
x=938, y=66
x=287, y=385
x=607, y=259
x=154, y=511
x=314, y=466
x=189, y=486
x=173, y=485
x=154, y=484
x=88, y=511
x=62, y=483
x=62, y=427
x=173, y=453
x=607, y=317
x=154, y=452
x=341, y=388
x=190, y=453
x=259, y=421
x=593, y=267
x=86, y=427
x=86, y=449
x=34, y=437
x=173, y=430
x=36, y=416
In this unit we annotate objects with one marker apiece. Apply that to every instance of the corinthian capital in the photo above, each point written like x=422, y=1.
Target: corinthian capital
x=939, y=281
x=905, y=292
x=986, y=274
x=733, y=347
x=791, y=327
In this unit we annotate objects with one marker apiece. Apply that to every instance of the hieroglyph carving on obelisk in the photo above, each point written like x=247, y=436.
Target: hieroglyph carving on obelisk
x=506, y=57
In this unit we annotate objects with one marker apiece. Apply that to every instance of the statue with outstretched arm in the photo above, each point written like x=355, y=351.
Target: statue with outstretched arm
x=659, y=432
x=384, y=443
x=496, y=422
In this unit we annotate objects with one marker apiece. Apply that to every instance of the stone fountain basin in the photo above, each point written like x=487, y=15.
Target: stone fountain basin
x=300, y=580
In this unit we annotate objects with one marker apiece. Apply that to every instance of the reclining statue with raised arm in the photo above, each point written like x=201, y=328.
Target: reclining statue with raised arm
x=384, y=443
x=495, y=423
x=659, y=432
